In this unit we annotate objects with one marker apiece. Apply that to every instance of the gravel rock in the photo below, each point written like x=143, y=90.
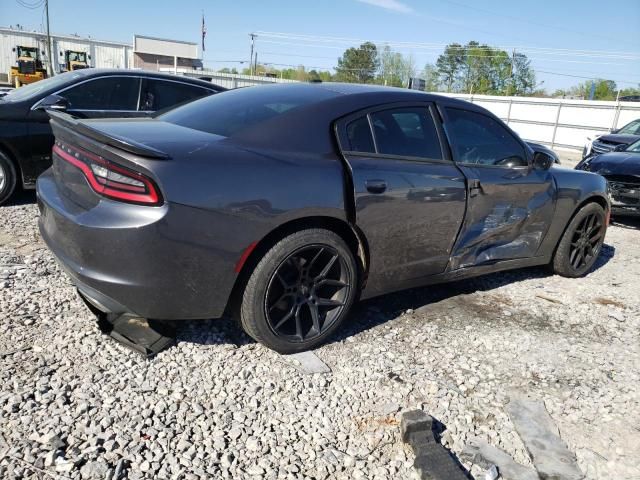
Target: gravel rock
x=220, y=406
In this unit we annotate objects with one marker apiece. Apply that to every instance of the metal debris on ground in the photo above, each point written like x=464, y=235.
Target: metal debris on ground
x=492, y=473
x=479, y=452
x=307, y=362
x=433, y=461
x=536, y=428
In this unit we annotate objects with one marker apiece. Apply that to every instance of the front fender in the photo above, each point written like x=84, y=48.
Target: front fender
x=574, y=189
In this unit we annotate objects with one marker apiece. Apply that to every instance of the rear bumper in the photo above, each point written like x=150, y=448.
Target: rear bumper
x=154, y=262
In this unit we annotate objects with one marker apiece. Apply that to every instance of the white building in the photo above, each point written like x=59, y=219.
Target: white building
x=104, y=54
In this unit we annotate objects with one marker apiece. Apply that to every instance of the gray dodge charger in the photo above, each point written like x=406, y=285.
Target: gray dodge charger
x=285, y=204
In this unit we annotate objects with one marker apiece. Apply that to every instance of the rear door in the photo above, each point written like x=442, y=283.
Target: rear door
x=409, y=195
x=159, y=94
x=104, y=97
x=510, y=204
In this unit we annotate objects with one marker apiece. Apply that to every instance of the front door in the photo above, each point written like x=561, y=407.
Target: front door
x=409, y=196
x=111, y=97
x=510, y=204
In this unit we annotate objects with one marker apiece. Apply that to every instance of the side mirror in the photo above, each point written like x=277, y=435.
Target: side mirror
x=542, y=161
x=54, y=102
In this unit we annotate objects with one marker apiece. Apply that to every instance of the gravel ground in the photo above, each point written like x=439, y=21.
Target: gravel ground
x=76, y=404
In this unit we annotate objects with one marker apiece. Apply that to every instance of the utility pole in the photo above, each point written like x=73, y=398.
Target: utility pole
x=253, y=36
x=255, y=65
x=50, y=67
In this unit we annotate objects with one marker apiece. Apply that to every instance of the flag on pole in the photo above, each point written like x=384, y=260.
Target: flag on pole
x=204, y=31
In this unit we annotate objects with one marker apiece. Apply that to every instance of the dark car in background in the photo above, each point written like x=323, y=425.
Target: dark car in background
x=25, y=135
x=621, y=168
x=616, y=139
x=285, y=204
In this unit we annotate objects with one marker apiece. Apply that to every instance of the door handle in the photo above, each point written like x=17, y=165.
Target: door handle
x=376, y=186
x=474, y=187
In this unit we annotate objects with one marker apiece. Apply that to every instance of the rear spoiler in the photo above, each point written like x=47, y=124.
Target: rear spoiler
x=69, y=122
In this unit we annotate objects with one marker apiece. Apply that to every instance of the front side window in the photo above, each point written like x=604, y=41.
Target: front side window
x=406, y=132
x=632, y=128
x=159, y=94
x=107, y=93
x=479, y=139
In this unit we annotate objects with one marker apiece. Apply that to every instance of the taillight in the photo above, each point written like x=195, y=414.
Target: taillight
x=109, y=179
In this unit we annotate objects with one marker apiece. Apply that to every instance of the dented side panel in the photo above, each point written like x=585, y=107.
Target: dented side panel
x=508, y=215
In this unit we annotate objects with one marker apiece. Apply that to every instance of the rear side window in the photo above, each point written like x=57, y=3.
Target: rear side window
x=406, y=132
x=159, y=94
x=107, y=93
x=359, y=135
x=479, y=139
x=232, y=112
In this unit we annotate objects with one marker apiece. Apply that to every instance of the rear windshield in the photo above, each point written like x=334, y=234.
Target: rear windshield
x=229, y=113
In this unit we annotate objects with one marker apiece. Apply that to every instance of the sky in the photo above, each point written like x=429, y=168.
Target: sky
x=565, y=39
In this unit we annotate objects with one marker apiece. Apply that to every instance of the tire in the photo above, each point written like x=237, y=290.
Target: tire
x=581, y=238
x=308, y=271
x=8, y=178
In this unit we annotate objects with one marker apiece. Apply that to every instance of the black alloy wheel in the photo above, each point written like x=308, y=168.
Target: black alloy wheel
x=586, y=241
x=581, y=242
x=300, y=291
x=307, y=293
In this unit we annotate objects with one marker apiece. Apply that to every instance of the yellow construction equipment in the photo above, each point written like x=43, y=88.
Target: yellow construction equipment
x=28, y=67
x=74, y=60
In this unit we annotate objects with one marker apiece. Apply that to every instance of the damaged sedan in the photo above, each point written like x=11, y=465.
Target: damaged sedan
x=283, y=205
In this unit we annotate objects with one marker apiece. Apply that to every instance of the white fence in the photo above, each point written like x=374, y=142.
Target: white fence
x=557, y=122
x=228, y=80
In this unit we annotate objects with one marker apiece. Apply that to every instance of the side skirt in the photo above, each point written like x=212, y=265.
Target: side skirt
x=461, y=274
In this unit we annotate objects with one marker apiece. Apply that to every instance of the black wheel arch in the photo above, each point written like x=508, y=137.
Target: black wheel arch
x=349, y=233
x=594, y=198
x=11, y=155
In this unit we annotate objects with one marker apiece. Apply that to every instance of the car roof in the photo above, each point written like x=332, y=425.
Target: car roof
x=304, y=128
x=99, y=72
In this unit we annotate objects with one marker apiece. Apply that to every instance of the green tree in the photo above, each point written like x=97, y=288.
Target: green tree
x=523, y=76
x=431, y=78
x=450, y=64
x=395, y=69
x=604, y=89
x=358, y=65
x=630, y=91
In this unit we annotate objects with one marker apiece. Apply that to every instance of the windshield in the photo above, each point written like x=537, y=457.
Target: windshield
x=77, y=56
x=634, y=147
x=631, y=129
x=33, y=89
x=27, y=52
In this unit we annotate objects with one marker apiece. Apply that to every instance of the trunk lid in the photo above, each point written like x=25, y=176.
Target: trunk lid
x=128, y=147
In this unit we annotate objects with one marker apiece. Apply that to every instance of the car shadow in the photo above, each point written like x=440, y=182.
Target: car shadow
x=22, y=197
x=631, y=223
x=370, y=313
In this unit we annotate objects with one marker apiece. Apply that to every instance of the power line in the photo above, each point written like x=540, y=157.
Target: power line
x=30, y=6
x=431, y=46
x=528, y=21
x=585, y=78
